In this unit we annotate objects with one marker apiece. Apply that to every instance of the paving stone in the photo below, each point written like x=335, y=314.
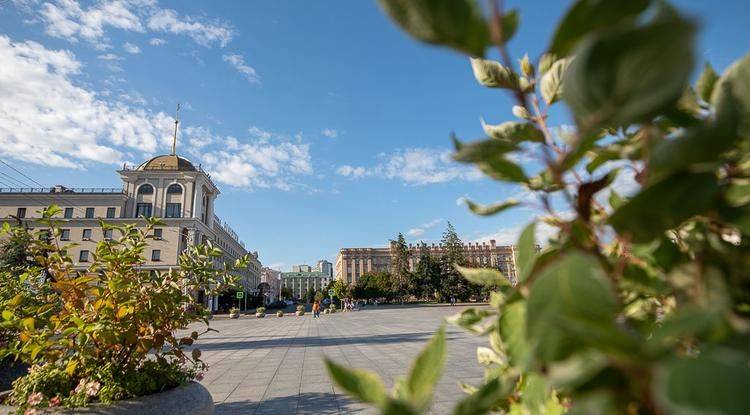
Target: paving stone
x=275, y=366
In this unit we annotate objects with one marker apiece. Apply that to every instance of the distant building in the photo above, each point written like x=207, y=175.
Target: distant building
x=352, y=263
x=301, y=282
x=270, y=284
x=168, y=187
x=324, y=267
x=301, y=268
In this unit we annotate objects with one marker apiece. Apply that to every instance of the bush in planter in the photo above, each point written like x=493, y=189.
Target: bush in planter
x=108, y=333
x=260, y=312
x=234, y=312
x=279, y=313
x=300, y=310
x=332, y=308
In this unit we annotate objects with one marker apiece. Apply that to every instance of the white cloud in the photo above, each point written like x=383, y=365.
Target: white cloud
x=156, y=41
x=203, y=33
x=415, y=166
x=110, y=57
x=238, y=62
x=45, y=118
x=330, y=133
x=509, y=236
x=421, y=229
x=351, y=171
x=66, y=19
x=131, y=48
x=264, y=160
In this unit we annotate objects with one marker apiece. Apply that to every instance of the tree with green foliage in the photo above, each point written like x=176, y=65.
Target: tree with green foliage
x=640, y=302
x=286, y=293
x=427, y=276
x=374, y=285
x=400, y=266
x=452, y=283
x=309, y=295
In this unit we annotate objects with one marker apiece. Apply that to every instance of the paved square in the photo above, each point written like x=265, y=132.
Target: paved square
x=274, y=365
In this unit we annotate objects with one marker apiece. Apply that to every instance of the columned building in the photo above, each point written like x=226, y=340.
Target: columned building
x=301, y=282
x=352, y=263
x=168, y=187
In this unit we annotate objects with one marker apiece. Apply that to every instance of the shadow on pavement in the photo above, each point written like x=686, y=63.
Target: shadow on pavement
x=318, y=341
x=304, y=403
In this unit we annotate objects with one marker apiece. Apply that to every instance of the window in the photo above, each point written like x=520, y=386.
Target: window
x=21, y=213
x=64, y=234
x=83, y=256
x=110, y=212
x=156, y=255
x=89, y=213
x=146, y=189
x=68, y=213
x=157, y=233
x=86, y=235
x=143, y=209
x=174, y=189
x=174, y=210
x=108, y=234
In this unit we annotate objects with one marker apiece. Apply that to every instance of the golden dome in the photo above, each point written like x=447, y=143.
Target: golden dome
x=168, y=162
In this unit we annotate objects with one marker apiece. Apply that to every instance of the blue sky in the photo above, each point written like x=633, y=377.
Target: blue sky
x=323, y=125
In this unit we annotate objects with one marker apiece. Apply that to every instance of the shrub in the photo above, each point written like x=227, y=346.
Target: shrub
x=260, y=310
x=108, y=333
x=234, y=310
x=301, y=308
x=640, y=301
x=279, y=313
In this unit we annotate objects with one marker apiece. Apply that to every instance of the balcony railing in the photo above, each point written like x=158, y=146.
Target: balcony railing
x=63, y=190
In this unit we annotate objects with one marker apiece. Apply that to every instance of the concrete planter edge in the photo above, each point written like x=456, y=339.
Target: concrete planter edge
x=190, y=399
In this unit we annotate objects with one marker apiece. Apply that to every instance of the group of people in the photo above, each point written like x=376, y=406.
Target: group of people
x=348, y=305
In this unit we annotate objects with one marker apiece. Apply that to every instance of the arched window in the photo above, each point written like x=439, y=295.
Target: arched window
x=146, y=189
x=174, y=189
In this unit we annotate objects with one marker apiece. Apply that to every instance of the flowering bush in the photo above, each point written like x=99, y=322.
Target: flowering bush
x=108, y=333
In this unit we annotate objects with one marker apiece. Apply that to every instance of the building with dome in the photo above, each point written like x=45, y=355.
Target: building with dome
x=168, y=187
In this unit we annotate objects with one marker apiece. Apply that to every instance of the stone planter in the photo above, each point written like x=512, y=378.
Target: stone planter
x=260, y=315
x=299, y=313
x=190, y=399
x=234, y=315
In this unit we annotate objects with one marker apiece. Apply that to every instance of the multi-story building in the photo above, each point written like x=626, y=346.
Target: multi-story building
x=325, y=267
x=301, y=282
x=168, y=187
x=351, y=263
x=301, y=268
x=270, y=279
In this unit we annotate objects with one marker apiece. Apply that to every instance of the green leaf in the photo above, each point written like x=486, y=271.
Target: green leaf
x=738, y=193
x=489, y=210
x=535, y=393
x=546, y=62
x=483, y=276
x=587, y=16
x=398, y=407
x=527, y=250
x=362, y=385
x=510, y=25
x=514, y=131
x=713, y=383
x=665, y=205
x=470, y=319
x=487, y=357
x=500, y=168
x=493, y=74
x=606, y=85
x=7, y=315
x=512, y=327
x=571, y=289
x=706, y=82
x=458, y=24
x=551, y=84
x=482, y=150
x=426, y=371
x=481, y=401
x=735, y=83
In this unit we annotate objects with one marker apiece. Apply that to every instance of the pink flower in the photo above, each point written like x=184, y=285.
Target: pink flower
x=35, y=399
x=30, y=411
x=55, y=401
x=92, y=388
x=199, y=376
x=81, y=386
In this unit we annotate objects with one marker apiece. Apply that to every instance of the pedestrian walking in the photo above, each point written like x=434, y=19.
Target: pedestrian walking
x=453, y=300
x=316, y=310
